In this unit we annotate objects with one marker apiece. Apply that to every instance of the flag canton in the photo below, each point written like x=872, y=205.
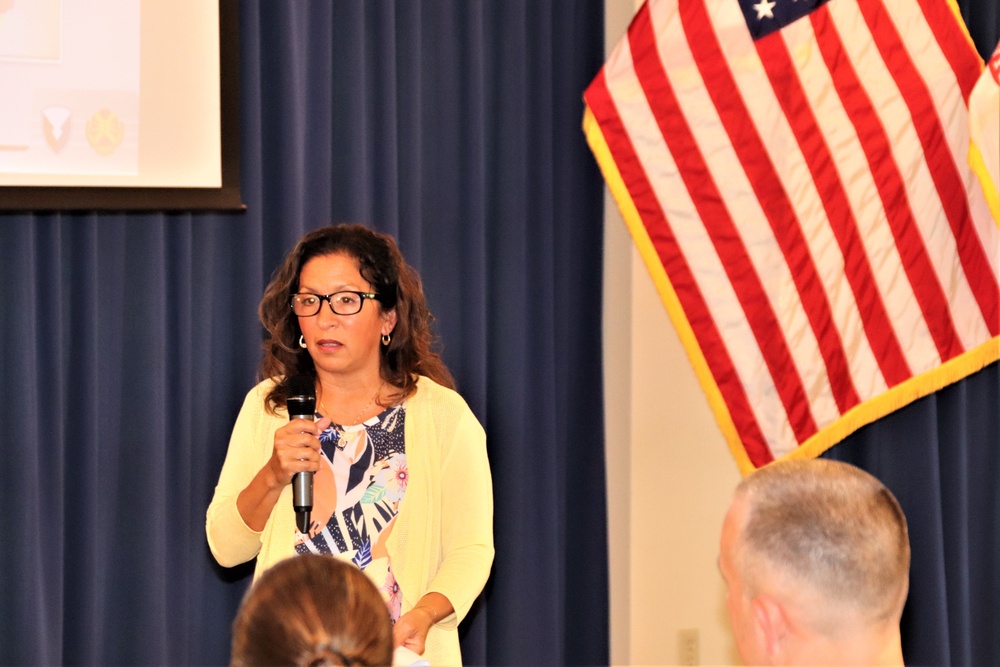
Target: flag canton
x=765, y=16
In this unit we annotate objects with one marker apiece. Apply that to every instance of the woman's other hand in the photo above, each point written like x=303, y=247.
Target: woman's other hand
x=411, y=629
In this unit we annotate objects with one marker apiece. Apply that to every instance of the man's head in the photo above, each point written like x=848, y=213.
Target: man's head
x=816, y=556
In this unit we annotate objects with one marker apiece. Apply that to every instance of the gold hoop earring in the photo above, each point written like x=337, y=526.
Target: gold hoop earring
x=386, y=338
x=302, y=342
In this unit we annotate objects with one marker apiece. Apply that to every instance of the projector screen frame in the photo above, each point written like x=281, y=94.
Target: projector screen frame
x=225, y=198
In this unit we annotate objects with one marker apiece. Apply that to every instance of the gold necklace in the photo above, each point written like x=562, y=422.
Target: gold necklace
x=341, y=436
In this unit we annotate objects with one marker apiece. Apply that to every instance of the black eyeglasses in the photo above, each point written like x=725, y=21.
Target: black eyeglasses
x=306, y=304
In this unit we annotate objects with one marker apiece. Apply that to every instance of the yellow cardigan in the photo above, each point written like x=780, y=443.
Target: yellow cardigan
x=443, y=537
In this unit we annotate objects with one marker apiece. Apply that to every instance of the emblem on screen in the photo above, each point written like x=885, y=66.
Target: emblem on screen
x=105, y=131
x=55, y=126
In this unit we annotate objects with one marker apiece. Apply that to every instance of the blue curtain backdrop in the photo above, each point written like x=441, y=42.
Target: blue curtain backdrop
x=129, y=340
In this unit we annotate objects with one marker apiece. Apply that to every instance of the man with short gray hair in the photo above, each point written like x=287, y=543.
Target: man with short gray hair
x=816, y=556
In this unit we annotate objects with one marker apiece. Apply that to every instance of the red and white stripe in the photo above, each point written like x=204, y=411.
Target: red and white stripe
x=808, y=197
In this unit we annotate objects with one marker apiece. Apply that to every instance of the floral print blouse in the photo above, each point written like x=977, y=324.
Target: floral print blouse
x=356, y=497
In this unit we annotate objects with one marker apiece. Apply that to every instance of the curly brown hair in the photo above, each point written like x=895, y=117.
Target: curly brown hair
x=411, y=351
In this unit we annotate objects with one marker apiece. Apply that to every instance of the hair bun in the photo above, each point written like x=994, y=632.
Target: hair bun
x=326, y=655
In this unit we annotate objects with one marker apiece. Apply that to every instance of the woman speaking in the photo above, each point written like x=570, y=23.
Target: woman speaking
x=401, y=479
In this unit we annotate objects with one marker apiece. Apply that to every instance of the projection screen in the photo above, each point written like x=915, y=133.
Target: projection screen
x=119, y=104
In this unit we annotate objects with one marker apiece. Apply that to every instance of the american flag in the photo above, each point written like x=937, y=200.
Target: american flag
x=984, y=129
x=795, y=175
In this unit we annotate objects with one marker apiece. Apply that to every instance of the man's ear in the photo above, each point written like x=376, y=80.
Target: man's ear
x=770, y=622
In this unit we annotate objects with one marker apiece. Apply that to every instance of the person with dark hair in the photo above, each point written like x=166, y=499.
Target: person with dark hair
x=816, y=556
x=312, y=611
x=402, y=483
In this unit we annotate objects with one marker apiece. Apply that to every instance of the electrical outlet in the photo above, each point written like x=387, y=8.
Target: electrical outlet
x=689, y=649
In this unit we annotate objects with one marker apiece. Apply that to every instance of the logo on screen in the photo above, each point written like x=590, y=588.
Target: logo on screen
x=105, y=132
x=55, y=127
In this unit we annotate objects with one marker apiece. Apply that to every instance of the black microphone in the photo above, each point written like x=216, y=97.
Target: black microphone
x=302, y=405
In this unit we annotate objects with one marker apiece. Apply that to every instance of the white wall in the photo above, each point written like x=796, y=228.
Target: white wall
x=670, y=473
